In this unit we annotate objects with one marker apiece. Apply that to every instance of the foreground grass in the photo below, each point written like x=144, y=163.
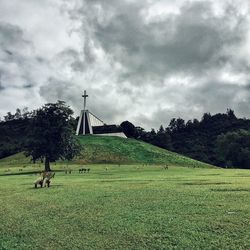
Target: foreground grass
x=126, y=207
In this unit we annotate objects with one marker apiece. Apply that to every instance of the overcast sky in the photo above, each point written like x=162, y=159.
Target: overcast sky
x=145, y=61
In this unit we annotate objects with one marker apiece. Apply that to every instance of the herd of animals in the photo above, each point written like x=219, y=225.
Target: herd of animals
x=44, y=179
x=81, y=170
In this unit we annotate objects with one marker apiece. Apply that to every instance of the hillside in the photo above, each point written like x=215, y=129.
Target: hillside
x=100, y=149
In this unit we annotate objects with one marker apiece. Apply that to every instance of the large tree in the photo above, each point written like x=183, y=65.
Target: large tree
x=51, y=135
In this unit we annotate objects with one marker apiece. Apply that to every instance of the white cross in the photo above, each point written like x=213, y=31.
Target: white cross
x=85, y=98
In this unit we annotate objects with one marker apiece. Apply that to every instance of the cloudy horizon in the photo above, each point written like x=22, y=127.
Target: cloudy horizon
x=142, y=61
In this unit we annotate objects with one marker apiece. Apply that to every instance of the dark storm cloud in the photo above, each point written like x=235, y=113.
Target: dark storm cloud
x=196, y=43
x=14, y=57
x=191, y=41
x=143, y=61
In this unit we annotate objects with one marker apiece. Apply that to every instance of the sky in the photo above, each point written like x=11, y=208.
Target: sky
x=145, y=61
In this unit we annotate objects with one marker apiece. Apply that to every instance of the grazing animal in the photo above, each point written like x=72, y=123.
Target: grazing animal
x=44, y=179
x=67, y=171
x=39, y=181
x=166, y=167
x=82, y=170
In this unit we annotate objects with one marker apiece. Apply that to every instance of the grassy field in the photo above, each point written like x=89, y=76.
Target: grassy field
x=126, y=207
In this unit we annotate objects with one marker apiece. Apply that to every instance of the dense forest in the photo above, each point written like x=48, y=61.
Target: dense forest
x=220, y=139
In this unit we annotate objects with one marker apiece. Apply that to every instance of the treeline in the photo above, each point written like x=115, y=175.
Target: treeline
x=14, y=131
x=221, y=139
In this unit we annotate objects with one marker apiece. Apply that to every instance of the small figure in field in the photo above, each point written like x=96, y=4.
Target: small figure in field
x=106, y=169
x=82, y=170
x=44, y=179
x=20, y=169
x=67, y=171
x=47, y=177
x=166, y=167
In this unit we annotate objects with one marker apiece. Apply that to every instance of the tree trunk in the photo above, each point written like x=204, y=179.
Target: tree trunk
x=47, y=164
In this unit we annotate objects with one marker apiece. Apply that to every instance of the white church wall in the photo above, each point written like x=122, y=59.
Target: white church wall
x=114, y=134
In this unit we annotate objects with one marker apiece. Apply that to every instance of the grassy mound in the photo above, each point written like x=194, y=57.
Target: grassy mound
x=104, y=149
x=116, y=150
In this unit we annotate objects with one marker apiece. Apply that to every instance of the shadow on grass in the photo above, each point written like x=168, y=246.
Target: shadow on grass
x=140, y=181
x=28, y=173
x=208, y=174
x=203, y=183
x=51, y=187
x=231, y=189
x=241, y=175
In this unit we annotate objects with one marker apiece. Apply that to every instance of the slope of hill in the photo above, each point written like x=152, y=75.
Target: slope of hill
x=102, y=149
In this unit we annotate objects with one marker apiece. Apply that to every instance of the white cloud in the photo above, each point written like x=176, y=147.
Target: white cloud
x=145, y=61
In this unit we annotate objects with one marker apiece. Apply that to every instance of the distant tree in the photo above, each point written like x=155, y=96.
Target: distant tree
x=51, y=135
x=141, y=132
x=162, y=138
x=231, y=114
x=206, y=117
x=152, y=132
x=176, y=124
x=9, y=117
x=129, y=129
x=18, y=114
x=25, y=113
x=233, y=148
x=161, y=130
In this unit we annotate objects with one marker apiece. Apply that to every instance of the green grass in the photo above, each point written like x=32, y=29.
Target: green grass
x=126, y=207
x=114, y=150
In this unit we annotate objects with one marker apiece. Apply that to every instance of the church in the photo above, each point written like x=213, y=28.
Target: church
x=89, y=124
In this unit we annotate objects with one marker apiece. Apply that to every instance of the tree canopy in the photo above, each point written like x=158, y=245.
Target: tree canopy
x=51, y=135
x=199, y=139
x=233, y=148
